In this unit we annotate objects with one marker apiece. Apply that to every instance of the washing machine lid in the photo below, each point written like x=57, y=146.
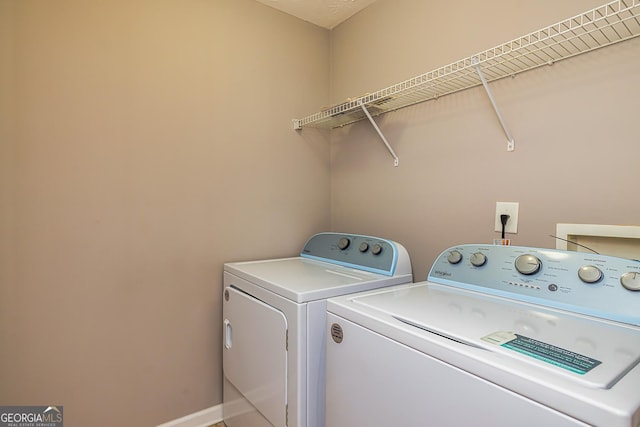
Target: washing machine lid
x=524, y=337
x=301, y=279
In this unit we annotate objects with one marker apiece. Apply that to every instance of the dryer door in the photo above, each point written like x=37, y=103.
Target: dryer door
x=255, y=353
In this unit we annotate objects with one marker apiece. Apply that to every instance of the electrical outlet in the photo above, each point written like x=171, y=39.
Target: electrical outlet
x=511, y=209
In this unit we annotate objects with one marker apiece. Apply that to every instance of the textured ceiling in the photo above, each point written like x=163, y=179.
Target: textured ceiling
x=324, y=13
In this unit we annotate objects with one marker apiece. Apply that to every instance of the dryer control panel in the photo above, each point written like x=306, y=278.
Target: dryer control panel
x=596, y=285
x=361, y=252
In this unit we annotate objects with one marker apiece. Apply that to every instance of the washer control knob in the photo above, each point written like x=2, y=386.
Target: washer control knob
x=631, y=281
x=364, y=247
x=376, y=249
x=454, y=257
x=590, y=274
x=344, y=243
x=528, y=264
x=478, y=259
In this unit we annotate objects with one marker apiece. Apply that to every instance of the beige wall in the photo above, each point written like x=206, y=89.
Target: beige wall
x=143, y=144
x=575, y=126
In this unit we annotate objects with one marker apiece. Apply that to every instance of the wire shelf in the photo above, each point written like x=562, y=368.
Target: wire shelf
x=605, y=25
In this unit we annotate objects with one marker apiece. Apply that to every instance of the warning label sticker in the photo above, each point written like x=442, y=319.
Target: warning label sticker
x=548, y=353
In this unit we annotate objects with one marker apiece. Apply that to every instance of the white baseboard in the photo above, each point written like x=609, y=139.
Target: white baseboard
x=204, y=418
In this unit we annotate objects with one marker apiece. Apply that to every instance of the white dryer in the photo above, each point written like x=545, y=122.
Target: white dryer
x=497, y=336
x=274, y=313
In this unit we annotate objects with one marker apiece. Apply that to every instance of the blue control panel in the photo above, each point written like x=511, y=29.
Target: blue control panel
x=351, y=250
x=596, y=285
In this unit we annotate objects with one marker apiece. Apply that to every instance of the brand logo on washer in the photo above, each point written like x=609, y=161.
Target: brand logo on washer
x=441, y=273
x=336, y=333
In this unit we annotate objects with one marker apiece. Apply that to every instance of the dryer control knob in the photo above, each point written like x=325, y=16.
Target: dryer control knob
x=590, y=274
x=364, y=247
x=631, y=281
x=528, y=264
x=478, y=259
x=454, y=257
x=344, y=243
x=376, y=250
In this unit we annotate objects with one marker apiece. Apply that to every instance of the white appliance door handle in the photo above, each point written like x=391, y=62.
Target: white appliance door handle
x=227, y=334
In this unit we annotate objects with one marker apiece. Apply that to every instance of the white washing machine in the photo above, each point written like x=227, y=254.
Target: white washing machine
x=497, y=336
x=274, y=315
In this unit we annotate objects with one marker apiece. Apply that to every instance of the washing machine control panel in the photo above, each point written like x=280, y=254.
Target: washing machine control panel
x=351, y=250
x=596, y=285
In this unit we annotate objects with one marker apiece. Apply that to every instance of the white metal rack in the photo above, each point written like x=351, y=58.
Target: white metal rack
x=610, y=23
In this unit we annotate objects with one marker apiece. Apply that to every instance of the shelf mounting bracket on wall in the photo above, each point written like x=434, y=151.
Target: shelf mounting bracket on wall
x=510, y=141
x=375, y=125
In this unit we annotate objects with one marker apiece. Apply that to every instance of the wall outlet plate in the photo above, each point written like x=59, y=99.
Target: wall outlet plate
x=511, y=209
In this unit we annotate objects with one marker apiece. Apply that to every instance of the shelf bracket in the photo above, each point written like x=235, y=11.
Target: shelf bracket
x=510, y=142
x=375, y=125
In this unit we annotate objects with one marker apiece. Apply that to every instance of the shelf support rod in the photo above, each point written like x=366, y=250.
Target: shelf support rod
x=510, y=142
x=375, y=125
